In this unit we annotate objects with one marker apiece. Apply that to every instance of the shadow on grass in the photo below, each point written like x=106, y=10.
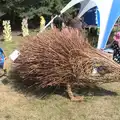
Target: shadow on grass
x=2, y=40
x=45, y=93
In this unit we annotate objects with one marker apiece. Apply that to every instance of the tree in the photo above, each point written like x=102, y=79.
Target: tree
x=31, y=8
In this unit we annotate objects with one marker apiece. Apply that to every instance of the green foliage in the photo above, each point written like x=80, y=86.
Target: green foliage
x=31, y=8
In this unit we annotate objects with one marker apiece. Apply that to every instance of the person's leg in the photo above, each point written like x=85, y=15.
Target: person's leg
x=1, y=66
x=2, y=73
x=5, y=67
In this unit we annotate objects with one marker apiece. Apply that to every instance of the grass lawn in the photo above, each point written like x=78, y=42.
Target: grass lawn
x=103, y=104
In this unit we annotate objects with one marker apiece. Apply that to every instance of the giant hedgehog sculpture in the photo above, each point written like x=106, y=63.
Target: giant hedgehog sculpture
x=64, y=58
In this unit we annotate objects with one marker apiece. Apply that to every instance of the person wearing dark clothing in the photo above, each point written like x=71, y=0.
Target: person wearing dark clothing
x=115, y=45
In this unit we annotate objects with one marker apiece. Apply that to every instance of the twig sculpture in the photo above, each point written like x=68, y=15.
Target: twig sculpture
x=64, y=58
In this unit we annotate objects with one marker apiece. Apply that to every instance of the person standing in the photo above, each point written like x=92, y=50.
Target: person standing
x=115, y=45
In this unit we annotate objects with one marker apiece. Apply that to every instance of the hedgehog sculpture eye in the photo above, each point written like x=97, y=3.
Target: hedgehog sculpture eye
x=100, y=69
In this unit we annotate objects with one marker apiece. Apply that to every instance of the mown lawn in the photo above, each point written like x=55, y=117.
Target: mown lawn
x=99, y=104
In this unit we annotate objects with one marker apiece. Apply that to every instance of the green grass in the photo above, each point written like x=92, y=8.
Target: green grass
x=10, y=46
x=18, y=106
x=103, y=104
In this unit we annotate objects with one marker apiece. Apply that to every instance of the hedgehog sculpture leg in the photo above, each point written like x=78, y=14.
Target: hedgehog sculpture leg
x=71, y=96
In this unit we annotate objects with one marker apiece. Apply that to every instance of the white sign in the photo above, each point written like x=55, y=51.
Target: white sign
x=15, y=54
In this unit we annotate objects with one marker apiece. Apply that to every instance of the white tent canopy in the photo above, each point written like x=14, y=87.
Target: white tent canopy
x=109, y=13
x=85, y=6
